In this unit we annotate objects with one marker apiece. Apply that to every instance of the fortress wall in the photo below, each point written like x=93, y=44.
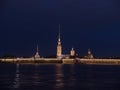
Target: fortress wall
x=99, y=61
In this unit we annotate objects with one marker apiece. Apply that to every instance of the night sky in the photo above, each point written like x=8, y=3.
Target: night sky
x=93, y=24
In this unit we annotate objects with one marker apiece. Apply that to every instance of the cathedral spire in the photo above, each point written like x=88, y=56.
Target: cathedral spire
x=37, y=48
x=59, y=46
x=59, y=34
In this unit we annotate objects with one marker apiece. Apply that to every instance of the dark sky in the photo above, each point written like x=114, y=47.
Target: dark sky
x=85, y=24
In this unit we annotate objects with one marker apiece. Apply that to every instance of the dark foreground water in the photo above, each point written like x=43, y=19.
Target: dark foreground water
x=59, y=77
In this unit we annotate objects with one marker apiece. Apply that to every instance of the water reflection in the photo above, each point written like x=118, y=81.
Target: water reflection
x=36, y=76
x=17, y=78
x=59, y=77
x=71, y=81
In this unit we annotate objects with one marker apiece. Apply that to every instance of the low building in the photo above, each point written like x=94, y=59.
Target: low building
x=89, y=55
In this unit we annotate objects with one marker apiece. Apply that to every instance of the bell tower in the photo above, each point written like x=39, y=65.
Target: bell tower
x=90, y=56
x=72, y=52
x=37, y=56
x=59, y=46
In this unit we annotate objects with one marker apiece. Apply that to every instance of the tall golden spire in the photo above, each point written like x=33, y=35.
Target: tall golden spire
x=59, y=46
x=37, y=48
x=59, y=35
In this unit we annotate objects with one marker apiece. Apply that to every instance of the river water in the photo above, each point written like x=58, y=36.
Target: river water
x=59, y=77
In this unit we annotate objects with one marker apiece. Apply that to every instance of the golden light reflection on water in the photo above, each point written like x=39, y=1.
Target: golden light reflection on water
x=59, y=76
x=72, y=78
x=17, y=78
x=36, y=76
